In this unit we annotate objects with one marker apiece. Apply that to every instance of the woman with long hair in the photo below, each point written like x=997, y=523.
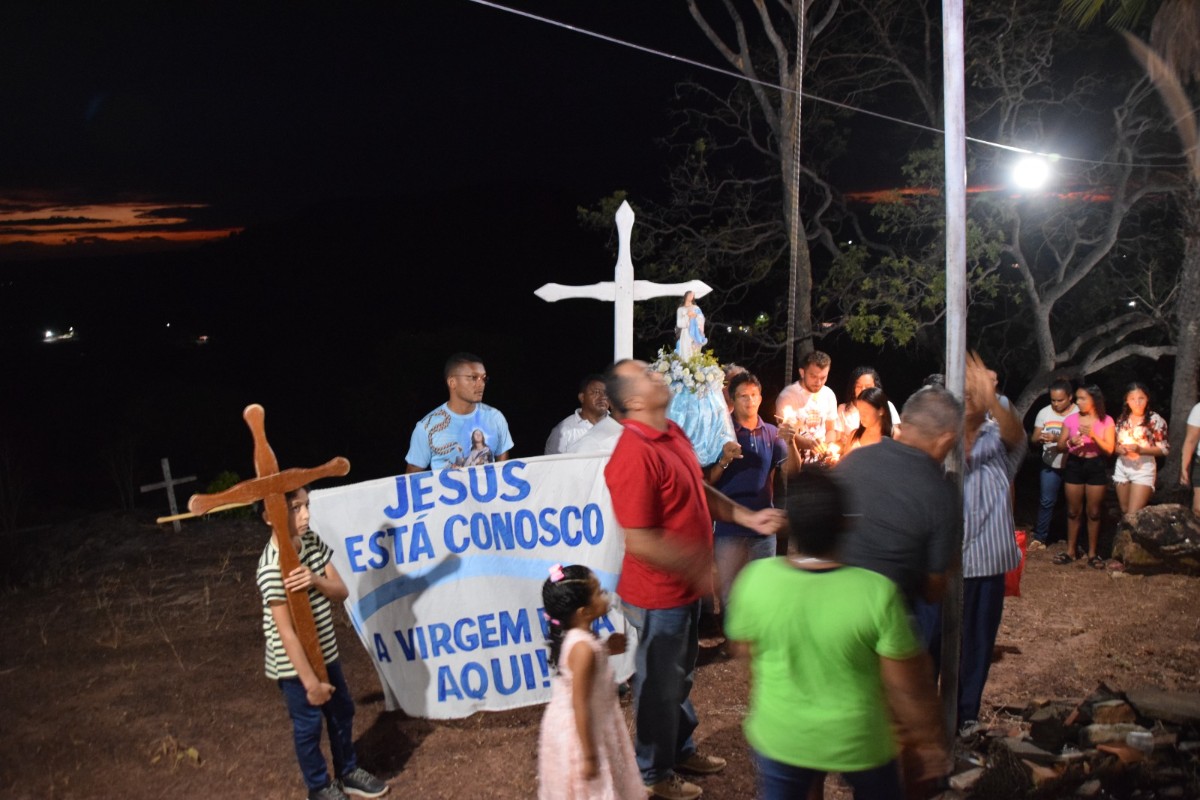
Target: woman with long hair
x=1141, y=438
x=847, y=422
x=1088, y=438
x=874, y=419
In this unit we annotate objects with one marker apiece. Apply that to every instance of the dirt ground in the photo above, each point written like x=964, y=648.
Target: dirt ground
x=132, y=668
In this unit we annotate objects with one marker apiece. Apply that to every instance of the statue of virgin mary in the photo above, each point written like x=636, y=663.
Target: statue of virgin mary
x=689, y=327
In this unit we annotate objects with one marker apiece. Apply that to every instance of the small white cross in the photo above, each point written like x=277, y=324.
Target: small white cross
x=622, y=291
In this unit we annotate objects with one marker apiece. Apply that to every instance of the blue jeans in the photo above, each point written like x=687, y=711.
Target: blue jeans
x=1051, y=480
x=983, y=606
x=982, y=609
x=338, y=715
x=664, y=719
x=927, y=618
x=779, y=781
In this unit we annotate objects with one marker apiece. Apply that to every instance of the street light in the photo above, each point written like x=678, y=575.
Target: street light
x=1031, y=171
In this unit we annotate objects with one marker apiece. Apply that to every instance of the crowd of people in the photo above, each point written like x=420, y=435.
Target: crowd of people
x=841, y=629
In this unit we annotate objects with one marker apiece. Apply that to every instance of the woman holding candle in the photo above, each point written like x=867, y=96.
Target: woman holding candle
x=1141, y=438
x=1088, y=438
x=847, y=422
x=874, y=419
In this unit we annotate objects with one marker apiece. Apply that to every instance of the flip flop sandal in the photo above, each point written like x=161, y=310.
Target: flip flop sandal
x=1096, y=562
x=1063, y=558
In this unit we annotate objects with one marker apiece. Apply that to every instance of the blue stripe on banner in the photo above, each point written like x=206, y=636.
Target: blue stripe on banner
x=456, y=568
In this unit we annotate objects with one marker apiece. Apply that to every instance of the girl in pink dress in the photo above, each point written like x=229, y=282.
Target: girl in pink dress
x=584, y=750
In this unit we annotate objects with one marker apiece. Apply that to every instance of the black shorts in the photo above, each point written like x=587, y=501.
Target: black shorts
x=1196, y=473
x=1090, y=471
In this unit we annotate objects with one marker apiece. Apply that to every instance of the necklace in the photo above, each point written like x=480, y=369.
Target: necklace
x=799, y=562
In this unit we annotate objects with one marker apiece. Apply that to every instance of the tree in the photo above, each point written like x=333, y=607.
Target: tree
x=719, y=221
x=1052, y=265
x=1174, y=28
x=787, y=31
x=1171, y=59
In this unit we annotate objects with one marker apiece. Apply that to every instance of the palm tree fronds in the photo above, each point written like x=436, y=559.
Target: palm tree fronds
x=1170, y=88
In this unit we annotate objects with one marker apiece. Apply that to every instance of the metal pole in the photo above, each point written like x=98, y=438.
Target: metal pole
x=956, y=325
x=795, y=232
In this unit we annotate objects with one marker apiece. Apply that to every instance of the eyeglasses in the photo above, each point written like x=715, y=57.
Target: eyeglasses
x=472, y=378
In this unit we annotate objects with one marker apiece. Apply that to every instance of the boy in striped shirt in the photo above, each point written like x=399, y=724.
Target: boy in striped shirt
x=310, y=701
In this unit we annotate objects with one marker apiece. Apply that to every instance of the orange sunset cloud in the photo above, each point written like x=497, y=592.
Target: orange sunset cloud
x=43, y=226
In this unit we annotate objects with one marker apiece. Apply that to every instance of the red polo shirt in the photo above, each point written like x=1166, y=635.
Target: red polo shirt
x=655, y=482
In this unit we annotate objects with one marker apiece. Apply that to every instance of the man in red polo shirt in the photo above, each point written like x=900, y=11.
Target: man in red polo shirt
x=666, y=509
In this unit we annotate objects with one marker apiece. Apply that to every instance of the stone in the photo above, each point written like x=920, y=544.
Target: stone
x=1029, y=751
x=1167, y=531
x=1039, y=773
x=1112, y=712
x=1124, y=753
x=1132, y=555
x=1176, y=707
x=1108, y=734
x=963, y=781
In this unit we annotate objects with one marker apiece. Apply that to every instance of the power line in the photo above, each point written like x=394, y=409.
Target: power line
x=807, y=96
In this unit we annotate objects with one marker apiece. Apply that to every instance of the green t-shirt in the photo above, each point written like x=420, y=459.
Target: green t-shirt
x=816, y=637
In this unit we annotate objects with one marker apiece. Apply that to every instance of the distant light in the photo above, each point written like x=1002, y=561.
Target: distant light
x=51, y=337
x=1132, y=303
x=168, y=324
x=1031, y=172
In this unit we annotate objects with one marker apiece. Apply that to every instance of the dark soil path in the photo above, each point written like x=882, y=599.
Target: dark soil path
x=132, y=668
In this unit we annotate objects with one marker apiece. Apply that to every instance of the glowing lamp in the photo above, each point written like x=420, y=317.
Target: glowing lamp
x=1031, y=172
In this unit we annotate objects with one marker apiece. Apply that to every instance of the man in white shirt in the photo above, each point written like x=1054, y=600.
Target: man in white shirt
x=593, y=407
x=807, y=409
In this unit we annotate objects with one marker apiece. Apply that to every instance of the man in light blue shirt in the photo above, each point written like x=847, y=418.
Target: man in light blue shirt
x=463, y=431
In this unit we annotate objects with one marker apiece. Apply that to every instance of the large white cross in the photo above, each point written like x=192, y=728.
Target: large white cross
x=622, y=291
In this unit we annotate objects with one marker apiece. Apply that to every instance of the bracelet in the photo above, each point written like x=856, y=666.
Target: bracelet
x=722, y=466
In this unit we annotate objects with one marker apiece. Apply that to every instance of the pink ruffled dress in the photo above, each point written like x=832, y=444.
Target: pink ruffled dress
x=560, y=757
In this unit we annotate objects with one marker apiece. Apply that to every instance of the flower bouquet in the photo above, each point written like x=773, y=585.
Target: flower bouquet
x=697, y=404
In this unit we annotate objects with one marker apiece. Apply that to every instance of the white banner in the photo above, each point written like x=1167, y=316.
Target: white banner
x=445, y=573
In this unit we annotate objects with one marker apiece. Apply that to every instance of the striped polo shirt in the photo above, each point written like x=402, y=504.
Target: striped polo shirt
x=989, y=544
x=314, y=554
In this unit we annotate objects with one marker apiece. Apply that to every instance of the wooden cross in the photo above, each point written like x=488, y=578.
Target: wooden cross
x=169, y=485
x=271, y=486
x=623, y=290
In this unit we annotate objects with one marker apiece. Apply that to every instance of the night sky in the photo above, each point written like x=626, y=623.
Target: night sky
x=337, y=196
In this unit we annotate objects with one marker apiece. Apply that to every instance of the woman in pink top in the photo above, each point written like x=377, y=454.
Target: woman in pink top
x=1088, y=438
